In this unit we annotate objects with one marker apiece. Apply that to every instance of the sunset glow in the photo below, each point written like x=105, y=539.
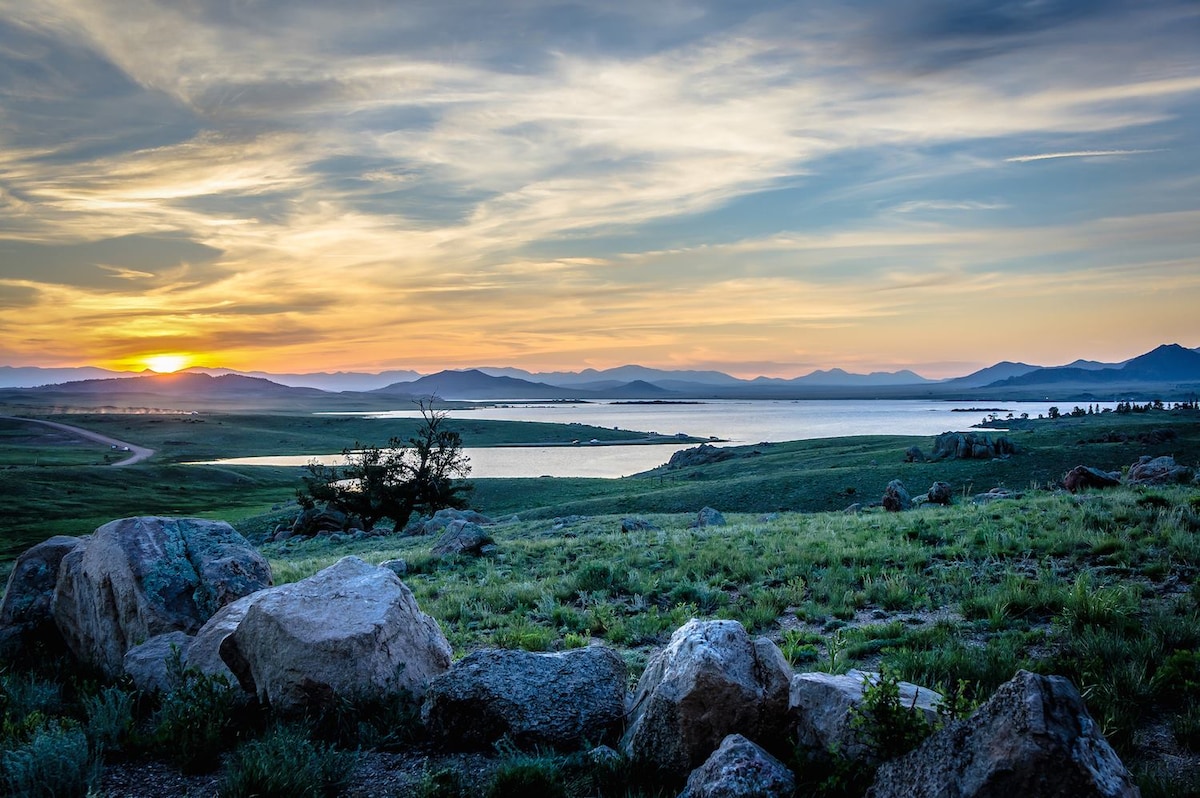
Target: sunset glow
x=762, y=188
x=165, y=364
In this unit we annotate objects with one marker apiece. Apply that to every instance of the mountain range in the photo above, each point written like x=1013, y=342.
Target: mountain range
x=1169, y=371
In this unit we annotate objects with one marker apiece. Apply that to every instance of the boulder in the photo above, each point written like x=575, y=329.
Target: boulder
x=740, y=769
x=913, y=454
x=712, y=680
x=461, y=537
x=320, y=521
x=152, y=667
x=709, y=517
x=996, y=494
x=204, y=651
x=398, y=567
x=442, y=519
x=970, y=446
x=636, y=525
x=558, y=700
x=1158, y=471
x=940, y=493
x=1034, y=737
x=350, y=632
x=699, y=455
x=896, y=498
x=822, y=706
x=1082, y=477
x=25, y=612
x=136, y=578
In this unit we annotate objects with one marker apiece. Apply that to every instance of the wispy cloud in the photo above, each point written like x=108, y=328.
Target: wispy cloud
x=1046, y=156
x=703, y=179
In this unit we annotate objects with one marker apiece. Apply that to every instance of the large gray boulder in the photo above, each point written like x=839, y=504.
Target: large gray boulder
x=712, y=680
x=1083, y=477
x=740, y=769
x=822, y=707
x=136, y=578
x=25, y=613
x=350, y=632
x=442, y=519
x=1034, y=738
x=896, y=497
x=709, y=517
x=1158, y=471
x=558, y=700
x=461, y=537
x=157, y=664
x=204, y=652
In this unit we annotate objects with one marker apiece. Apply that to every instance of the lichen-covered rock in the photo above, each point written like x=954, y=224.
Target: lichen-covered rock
x=709, y=517
x=1034, y=737
x=712, y=680
x=896, y=497
x=822, y=707
x=971, y=446
x=25, y=613
x=442, y=519
x=1158, y=471
x=913, y=454
x=559, y=700
x=740, y=769
x=461, y=537
x=350, y=632
x=1082, y=477
x=136, y=578
x=204, y=652
x=939, y=493
x=157, y=664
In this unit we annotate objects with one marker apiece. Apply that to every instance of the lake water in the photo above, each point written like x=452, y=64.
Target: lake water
x=734, y=422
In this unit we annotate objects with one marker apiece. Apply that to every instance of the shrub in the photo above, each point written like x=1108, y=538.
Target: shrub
x=109, y=718
x=55, y=761
x=524, y=777
x=285, y=763
x=884, y=724
x=444, y=783
x=193, y=722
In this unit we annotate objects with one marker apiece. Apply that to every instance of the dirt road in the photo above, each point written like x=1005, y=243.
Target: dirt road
x=136, y=453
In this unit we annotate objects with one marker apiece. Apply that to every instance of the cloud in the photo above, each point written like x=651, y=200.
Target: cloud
x=1045, y=156
x=354, y=173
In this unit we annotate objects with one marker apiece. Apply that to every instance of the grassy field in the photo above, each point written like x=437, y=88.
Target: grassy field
x=1100, y=586
x=57, y=484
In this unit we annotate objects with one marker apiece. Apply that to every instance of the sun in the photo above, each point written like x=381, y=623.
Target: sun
x=165, y=364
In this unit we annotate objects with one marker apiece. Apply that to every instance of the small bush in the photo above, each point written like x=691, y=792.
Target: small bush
x=192, y=725
x=109, y=719
x=440, y=784
x=526, y=777
x=56, y=761
x=884, y=724
x=286, y=764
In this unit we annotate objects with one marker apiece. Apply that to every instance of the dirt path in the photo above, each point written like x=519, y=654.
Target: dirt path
x=137, y=453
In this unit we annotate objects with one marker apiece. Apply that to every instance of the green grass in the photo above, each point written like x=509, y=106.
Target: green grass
x=1098, y=587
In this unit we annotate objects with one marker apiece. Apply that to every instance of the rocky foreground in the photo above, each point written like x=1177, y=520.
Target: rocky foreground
x=714, y=710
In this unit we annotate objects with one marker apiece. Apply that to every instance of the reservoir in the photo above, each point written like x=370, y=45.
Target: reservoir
x=733, y=422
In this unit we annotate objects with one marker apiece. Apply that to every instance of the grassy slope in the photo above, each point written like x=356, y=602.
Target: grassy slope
x=54, y=485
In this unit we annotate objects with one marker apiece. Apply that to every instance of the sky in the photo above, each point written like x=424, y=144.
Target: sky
x=763, y=188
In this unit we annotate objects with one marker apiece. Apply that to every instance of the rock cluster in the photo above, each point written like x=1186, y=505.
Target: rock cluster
x=136, y=578
x=1033, y=737
x=714, y=707
x=1146, y=471
x=699, y=455
x=712, y=680
x=971, y=446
